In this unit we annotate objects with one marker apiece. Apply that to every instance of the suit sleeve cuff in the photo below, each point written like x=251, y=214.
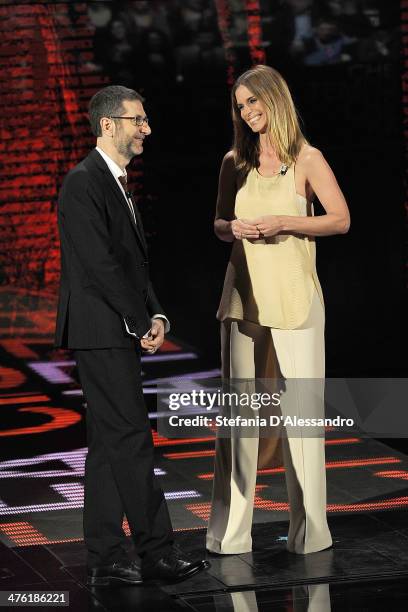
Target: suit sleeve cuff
x=133, y=333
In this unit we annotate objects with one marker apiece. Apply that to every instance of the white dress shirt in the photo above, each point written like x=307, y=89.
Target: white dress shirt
x=116, y=172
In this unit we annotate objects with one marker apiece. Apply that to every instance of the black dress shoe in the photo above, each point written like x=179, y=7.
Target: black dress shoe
x=173, y=568
x=120, y=573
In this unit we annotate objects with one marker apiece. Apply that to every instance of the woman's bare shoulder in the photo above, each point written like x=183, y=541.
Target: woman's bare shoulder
x=228, y=163
x=309, y=156
x=229, y=158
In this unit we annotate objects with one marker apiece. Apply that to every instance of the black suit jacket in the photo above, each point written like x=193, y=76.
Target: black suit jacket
x=104, y=267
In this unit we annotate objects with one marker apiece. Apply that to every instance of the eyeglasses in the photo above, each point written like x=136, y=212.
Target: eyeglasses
x=138, y=120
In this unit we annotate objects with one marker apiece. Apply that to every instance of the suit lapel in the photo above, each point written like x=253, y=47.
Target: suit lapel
x=117, y=192
x=139, y=225
x=115, y=189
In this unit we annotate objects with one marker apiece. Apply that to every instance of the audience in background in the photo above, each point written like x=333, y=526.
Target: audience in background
x=327, y=45
x=178, y=39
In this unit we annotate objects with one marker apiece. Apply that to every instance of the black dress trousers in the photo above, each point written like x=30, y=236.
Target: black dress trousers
x=119, y=469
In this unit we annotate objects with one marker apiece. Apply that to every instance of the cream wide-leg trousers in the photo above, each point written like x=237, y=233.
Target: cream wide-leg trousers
x=247, y=352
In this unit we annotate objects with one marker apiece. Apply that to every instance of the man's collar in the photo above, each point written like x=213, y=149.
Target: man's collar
x=112, y=165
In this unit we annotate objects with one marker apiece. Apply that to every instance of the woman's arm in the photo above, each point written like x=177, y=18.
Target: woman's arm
x=226, y=227
x=324, y=184
x=227, y=190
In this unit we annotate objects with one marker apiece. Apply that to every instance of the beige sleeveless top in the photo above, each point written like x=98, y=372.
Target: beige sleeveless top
x=271, y=281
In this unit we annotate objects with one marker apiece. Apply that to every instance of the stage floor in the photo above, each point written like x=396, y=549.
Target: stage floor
x=365, y=570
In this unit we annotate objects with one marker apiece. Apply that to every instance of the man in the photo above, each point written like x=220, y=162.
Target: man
x=108, y=313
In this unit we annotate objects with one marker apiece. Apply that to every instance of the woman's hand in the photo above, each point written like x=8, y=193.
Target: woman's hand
x=268, y=225
x=242, y=228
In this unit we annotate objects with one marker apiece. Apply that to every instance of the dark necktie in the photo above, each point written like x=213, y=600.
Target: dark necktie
x=123, y=181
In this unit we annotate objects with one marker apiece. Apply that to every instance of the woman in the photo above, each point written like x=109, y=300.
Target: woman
x=272, y=305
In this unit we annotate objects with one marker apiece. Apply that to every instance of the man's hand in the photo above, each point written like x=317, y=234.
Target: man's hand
x=155, y=339
x=242, y=228
x=268, y=225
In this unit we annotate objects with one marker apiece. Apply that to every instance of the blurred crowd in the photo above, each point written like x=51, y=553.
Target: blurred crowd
x=165, y=40
x=170, y=41
x=324, y=32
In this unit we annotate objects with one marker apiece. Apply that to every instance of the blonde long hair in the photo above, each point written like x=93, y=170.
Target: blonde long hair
x=266, y=84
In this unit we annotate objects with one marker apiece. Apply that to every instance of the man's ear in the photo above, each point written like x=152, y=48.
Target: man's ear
x=107, y=126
